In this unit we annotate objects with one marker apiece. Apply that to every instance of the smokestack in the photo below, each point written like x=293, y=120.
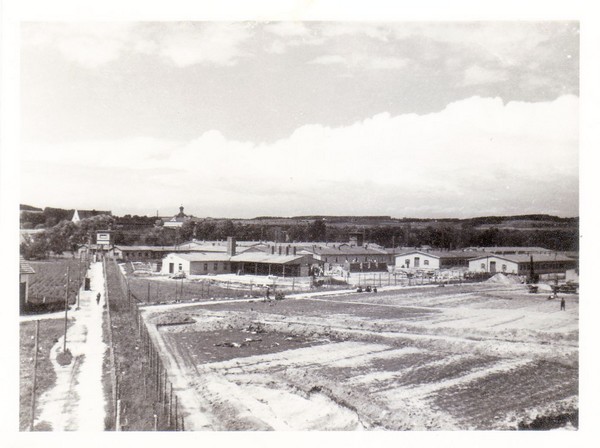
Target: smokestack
x=231, y=246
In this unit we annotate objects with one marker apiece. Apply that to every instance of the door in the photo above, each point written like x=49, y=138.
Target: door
x=417, y=262
x=171, y=268
x=23, y=295
x=492, y=266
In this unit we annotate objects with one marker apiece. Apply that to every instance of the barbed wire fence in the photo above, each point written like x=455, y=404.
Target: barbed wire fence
x=148, y=382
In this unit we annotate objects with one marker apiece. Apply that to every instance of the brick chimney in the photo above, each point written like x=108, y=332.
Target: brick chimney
x=231, y=246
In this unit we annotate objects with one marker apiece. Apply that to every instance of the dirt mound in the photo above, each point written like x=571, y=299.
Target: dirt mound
x=504, y=279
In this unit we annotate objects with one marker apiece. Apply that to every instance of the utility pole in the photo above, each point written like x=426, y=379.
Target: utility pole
x=35, y=358
x=78, y=282
x=66, y=308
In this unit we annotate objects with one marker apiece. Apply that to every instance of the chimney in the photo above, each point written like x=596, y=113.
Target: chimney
x=231, y=246
x=287, y=250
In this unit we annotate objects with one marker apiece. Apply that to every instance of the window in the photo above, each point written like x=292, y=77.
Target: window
x=216, y=266
x=425, y=262
x=482, y=265
x=504, y=268
x=180, y=267
x=206, y=266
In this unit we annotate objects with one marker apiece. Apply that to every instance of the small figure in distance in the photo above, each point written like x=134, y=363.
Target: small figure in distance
x=562, y=304
x=98, y=299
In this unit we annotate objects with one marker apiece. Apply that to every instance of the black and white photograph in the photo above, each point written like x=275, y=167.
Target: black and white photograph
x=296, y=221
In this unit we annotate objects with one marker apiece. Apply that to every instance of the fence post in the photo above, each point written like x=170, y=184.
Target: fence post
x=35, y=358
x=118, y=416
x=170, y=404
x=176, y=419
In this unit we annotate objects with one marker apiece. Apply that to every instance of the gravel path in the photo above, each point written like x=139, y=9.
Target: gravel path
x=76, y=402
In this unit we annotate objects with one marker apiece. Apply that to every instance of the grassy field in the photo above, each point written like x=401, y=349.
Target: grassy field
x=50, y=331
x=478, y=356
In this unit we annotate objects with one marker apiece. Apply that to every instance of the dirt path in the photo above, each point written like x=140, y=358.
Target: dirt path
x=77, y=401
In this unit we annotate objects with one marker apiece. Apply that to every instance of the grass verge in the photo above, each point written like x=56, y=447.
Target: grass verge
x=50, y=331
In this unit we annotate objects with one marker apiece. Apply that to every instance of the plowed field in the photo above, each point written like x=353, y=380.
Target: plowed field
x=478, y=356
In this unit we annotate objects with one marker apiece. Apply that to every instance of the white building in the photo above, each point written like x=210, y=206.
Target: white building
x=196, y=263
x=418, y=260
x=521, y=263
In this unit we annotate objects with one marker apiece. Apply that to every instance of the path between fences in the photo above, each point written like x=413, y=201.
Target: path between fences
x=77, y=401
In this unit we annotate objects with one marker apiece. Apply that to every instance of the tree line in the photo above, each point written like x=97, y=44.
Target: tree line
x=67, y=236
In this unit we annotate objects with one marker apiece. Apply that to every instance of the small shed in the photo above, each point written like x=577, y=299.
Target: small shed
x=25, y=271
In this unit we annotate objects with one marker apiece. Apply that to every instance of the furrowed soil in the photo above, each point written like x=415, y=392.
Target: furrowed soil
x=479, y=356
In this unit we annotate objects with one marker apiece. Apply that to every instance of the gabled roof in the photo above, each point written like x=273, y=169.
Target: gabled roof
x=518, y=249
x=343, y=249
x=25, y=268
x=526, y=258
x=444, y=253
x=260, y=257
x=201, y=256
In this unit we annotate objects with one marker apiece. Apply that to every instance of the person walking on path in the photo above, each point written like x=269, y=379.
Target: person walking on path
x=98, y=299
x=562, y=304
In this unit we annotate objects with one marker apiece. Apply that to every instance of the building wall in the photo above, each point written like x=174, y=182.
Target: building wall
x=24, y=288
x=209, y=267
x=417, y=260
x=501, y=265
x=179, y=264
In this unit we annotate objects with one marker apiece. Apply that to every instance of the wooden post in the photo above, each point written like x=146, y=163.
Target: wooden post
x=66, y=309
x=144, y=378
x=170, y=404
x=148, y=292
x=35, y=358
x=176, y=419
x=164, y=394
x=182, y=424
x=118, y=416
x=155, y=422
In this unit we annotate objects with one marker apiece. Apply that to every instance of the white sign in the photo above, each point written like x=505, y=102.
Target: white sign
x=103, y=238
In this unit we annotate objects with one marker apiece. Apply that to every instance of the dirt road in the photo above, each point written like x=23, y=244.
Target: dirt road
x=76, y=402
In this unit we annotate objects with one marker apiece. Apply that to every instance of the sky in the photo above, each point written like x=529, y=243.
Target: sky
x=244, y=119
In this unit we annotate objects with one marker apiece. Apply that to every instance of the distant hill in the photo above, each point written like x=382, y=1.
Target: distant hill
x=29, y=208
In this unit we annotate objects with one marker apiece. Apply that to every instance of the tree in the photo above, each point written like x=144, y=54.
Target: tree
x=317, y=230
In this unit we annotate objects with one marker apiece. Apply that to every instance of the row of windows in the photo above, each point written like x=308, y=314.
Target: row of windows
x=353, y=260
x=216, y=266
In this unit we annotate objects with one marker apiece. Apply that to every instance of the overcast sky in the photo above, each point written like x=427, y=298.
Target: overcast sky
x=290, y=118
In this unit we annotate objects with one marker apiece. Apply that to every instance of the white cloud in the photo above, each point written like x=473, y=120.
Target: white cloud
x=204, y=43
x=475, y=75
x=182, y=44
x=89, y=44
x=364, y=61
x=476, y=156
x=288, y=29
